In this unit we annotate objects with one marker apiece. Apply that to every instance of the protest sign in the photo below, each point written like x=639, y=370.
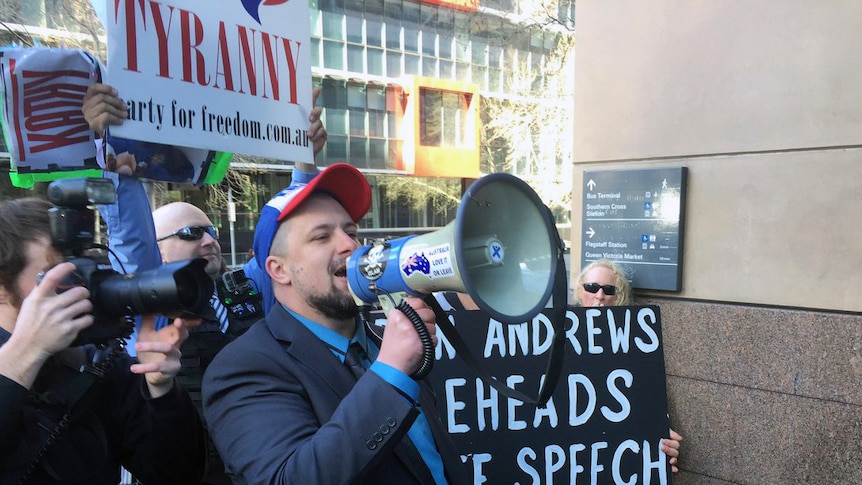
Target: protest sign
x=232, y=76
x=604, y=422
x=43, y=126
x=48, y=138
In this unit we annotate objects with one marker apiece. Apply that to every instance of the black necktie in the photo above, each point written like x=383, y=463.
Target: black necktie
x=353, y=360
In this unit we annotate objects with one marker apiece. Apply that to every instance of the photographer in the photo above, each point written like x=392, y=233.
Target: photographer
x=60, y=422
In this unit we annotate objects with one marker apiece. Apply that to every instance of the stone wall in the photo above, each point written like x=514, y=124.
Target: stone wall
x=762, y=102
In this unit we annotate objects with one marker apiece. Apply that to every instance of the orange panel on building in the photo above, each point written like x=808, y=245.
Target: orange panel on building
x=466, y=5
x=440, y=128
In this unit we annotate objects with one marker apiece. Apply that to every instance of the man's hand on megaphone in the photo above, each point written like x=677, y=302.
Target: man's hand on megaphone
x=401, y=347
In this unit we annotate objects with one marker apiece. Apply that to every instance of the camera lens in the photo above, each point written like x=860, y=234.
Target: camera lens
x=174, y=289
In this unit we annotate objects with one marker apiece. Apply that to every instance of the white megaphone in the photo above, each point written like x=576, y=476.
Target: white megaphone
x=501, y=249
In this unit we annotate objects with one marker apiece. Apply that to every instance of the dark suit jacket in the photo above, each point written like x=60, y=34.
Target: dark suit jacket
x=282, y=409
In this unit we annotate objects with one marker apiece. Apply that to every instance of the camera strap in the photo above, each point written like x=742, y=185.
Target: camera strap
x=89, y=371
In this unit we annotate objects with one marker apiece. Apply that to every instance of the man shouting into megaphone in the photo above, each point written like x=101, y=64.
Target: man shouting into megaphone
x=307, y=395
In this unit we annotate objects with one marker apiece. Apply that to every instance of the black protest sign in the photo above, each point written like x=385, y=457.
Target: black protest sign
x=604, y=422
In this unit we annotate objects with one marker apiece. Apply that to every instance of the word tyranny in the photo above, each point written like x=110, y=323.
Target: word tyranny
x=246, y=61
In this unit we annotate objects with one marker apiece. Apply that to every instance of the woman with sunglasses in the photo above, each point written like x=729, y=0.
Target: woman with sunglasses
x=604, y=283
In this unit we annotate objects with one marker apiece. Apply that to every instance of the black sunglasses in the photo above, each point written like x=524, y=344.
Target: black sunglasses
x=609, y=290
x=192, y=233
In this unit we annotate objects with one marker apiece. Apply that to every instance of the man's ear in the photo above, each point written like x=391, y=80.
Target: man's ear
x=276, y=267
x=8, y=310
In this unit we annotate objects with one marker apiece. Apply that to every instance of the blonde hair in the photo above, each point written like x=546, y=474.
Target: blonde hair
x=624, y=289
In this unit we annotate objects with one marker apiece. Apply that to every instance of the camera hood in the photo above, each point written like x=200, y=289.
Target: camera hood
x=175, y=289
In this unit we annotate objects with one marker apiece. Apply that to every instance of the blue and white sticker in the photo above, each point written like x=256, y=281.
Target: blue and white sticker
x=440, y=261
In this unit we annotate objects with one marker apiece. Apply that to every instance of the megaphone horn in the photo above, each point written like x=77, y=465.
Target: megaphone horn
x=500, y=249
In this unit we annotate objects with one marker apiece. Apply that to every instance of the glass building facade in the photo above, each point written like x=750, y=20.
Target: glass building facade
x=366, y=55
x=362, y=49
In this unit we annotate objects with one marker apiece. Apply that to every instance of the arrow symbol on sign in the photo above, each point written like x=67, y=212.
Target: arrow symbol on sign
x=591, y=232
x=591, y=184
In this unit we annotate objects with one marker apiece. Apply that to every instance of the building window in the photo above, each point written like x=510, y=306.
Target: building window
x=374, y=7
x=447, y=69
x=412, y=65
x=462, y=48
x=462, y=71
x=480, y=76
x=376, y=98
x=376, y=124
x=445, y=44
x=333, y=55
x=393, y=35
x=429, y=14
x=480, y=51
x=336, y=6
x=373, y=33
x=355, y=58
x=411, y=38
x=358, y=154
x=443, y=120
x=377, y=153
x=495, y=55
x=356, y=96
x=411, y=13
x=375, y=61
x=357, y=123
x=393, y=63
x=566, y=12
x=429, y=66
x=315, y=22
x=336, y=121
x=334, y=93
x=501, y=5
x=333, y=26
x=315, y=52
x=354, y=30
x=392, y=9
x=336, y=148
x=429, y=41
x=495, y=80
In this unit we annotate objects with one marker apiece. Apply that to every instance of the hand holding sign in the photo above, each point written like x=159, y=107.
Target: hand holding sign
x=102, y=107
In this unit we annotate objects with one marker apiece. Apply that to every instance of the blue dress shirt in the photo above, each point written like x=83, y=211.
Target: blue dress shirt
x=420, y=432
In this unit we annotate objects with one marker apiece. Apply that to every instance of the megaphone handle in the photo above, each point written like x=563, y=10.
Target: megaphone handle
x=427, y=345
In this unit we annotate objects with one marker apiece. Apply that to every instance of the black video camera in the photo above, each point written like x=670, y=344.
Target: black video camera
x=176, y=289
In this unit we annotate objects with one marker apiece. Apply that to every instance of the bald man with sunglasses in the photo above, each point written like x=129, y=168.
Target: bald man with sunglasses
x=184, y=232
